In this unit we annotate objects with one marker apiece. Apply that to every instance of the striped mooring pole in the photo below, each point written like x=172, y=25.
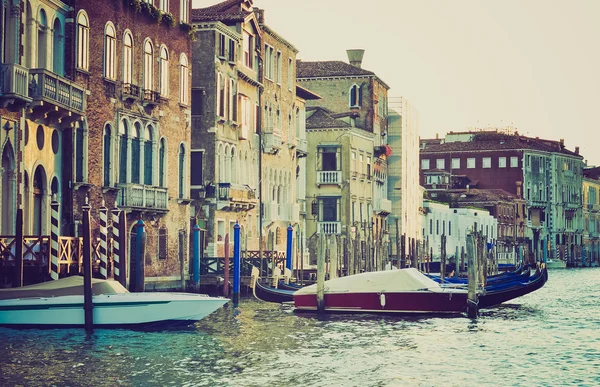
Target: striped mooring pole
x=103, y=237
x=54, y=232
x=115, y=214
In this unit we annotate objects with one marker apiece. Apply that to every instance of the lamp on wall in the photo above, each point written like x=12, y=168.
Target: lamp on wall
x=315, y=207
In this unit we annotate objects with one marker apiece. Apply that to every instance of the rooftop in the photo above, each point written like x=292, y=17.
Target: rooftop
x=482, y=141
x=228, y=10
x=329, y=68
x=323, y=118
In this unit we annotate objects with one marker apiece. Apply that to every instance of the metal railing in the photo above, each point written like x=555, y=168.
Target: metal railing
x=48, y=86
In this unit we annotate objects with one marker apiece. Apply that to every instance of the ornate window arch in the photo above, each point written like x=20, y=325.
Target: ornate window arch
x=83, y=41
x=110, y=51
x=148, y=65
x=184, y=80
x=164, y=71
x=355, y=96
x=127, y=60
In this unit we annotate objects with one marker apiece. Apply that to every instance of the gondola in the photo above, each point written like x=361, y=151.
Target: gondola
x=407, y=291
x=267, y=293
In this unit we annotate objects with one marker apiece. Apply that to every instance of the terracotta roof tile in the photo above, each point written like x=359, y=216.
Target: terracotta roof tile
x=323, y=118
x=330, y=68
x=229, y=10
x=494, y=141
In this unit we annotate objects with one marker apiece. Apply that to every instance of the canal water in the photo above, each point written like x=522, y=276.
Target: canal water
x=548, y=338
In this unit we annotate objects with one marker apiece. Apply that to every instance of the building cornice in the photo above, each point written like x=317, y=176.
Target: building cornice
x=330, y=78
x=279, y=38
x=220, y=27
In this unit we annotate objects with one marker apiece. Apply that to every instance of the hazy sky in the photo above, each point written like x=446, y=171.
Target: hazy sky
x=530, y=64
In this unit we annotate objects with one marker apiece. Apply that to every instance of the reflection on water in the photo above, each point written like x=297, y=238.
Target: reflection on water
x=550, y=338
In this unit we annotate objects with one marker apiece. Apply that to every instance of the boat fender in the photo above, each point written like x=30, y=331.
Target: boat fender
x=382, y=300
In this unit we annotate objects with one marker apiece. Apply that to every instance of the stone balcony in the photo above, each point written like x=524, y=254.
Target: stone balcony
x=235, y=197
x=383, y=206
x=329, y=177
x=55, y=96
x=143, y=197
x=271, y=139
x=329, y=227
x=14, y=86
x=301, y=148
x=281, y=212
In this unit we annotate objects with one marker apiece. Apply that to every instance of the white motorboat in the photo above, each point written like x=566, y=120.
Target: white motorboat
x=60, y=303
x=556, y=264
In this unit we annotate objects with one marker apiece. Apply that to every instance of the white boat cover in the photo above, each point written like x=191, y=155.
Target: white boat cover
x=389, y=281
x=69, y=286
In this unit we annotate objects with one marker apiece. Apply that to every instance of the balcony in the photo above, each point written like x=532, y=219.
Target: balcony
x=271, y=141
x=570, y=206
x=329, y=177
x=383, y=207
x=143, y=197
x=281, y=212
x=301, y=148
x=235, y=197
x=130, y=92
x=329, y=227
x=150, y=97
x=536, y=203
x=14, y=85
x=53, y=94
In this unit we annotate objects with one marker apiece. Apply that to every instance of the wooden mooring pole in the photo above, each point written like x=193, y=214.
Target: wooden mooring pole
x=321, y=274
x=472, y=303
x=88, y=307
x=18, y=279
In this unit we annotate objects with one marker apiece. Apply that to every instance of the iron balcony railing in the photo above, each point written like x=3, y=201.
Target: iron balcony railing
x=50, y=87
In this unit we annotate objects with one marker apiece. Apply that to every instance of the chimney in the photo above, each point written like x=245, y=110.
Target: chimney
x=576, y=150
x=260, y=15
x=437, y=136
x=355, y=57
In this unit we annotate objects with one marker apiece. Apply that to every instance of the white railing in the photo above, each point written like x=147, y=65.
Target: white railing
x=142, y=196
x=329, y=177
x=329, y=227
x=14, y=80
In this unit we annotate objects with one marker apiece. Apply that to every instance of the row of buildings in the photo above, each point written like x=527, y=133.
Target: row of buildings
x=542, y=194
x=177, y=115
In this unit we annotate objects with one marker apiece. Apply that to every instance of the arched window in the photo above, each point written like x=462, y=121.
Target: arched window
x=59, y=48
x=107, y=155
x=185, y=11
x=148, y=156
x=110, y=44
x=164, y=71
x=42, y=45
x=221, y=156
x=184, y=79
x=163, y=5
x=227, y=170
x=355, y=96
x=123, y=151
x=148, y=68
x=135, y=153
x=234, y=162
x=182, y=172
x=162, y=160
x=127, y=60
x=221, y=95
x=83, y=41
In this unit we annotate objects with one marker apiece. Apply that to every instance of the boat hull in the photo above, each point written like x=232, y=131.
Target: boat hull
x=393, y=302
x=127, y=309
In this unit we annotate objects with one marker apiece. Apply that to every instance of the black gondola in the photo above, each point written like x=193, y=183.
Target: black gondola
x=495, y=295
x=269, y=294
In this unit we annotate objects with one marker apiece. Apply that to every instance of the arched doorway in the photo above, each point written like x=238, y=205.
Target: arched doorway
x=7, y=184
x=39, y=201
x=136, y=268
